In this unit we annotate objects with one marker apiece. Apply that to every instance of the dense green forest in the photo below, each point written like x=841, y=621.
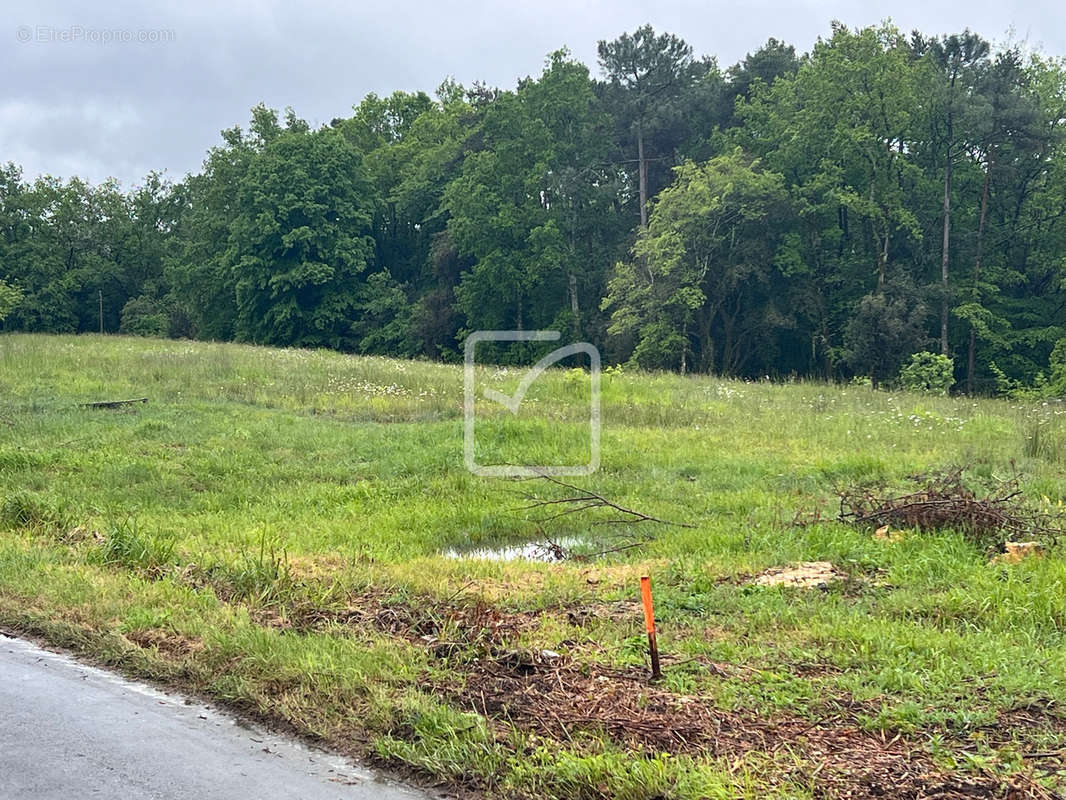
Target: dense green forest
x=821, y=215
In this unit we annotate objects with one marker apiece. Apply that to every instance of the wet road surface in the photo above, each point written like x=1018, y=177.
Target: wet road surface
x=69, y=730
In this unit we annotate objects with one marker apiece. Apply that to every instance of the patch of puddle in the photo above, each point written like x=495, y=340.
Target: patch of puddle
x=540, y=550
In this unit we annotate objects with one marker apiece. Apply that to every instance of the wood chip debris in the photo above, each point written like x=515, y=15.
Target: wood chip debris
x=805, y=575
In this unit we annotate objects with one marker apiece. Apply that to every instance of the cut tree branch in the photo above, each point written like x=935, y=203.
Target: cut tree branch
x=585, y=499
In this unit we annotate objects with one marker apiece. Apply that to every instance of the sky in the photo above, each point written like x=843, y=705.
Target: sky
x=120, y=90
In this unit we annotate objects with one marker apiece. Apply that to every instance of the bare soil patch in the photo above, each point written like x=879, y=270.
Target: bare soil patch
x=562, y=698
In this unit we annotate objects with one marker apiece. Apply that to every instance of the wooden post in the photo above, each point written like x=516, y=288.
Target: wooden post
x=649, y=625
x=100, y=292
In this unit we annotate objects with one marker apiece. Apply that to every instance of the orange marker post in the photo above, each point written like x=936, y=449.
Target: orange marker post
x=649, y=625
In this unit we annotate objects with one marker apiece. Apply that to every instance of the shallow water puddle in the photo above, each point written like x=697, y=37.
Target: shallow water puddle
x=540, y=550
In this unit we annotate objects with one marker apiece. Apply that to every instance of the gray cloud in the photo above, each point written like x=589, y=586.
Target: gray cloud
x=100, y=105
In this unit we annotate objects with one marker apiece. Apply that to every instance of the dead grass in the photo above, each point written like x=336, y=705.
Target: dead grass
x=167, y=642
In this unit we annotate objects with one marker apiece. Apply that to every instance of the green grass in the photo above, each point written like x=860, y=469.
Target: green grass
x=238, y=534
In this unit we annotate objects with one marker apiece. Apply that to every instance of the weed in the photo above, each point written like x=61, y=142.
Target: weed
x=128, y=545
x=262, y=576
x=27, y=510
x=1041, y=439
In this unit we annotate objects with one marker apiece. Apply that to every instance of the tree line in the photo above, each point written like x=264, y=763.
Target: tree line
x=820, y=215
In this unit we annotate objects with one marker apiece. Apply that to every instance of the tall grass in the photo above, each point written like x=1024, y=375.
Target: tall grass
x=131, y=546
x=259, y=480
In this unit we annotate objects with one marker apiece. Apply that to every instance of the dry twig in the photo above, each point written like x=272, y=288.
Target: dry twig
x=585, y=499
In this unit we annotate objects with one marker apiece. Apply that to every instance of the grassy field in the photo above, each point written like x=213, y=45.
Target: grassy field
x=272, y=529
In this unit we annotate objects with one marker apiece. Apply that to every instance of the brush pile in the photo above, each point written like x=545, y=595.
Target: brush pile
x=945, y=502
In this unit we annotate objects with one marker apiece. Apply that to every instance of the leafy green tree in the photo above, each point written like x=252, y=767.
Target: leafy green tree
x=888, y=325
x=199, y=260
x=528, y=203
x=956, y=63
x=197, y=267
x=436, y=318
x=1056, y=386
x=78, y=260
x=840, y=130
x=1007, y=131
x=299, y=241
x=697, y=268
x=15, y=232
x=76, y=250
x=821, y=203
x=1015, y=291
x=145, y=316
x=383, y=318
x=647, y=74
x=10, y=297
x=379, y=130
x=764, y=66
x=928, y=373
x=411, y=169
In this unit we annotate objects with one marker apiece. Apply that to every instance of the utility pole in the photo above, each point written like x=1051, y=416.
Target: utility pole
x=100, y=292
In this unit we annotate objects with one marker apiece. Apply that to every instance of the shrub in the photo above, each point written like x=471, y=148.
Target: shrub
x=884, y=328
x=1007, y=386
x=10, y=297
x=143, y=316
x=1057, y=384
x=659, y=348
x=928, y=373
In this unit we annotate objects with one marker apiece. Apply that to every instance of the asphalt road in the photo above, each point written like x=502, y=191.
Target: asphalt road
x=68, y=730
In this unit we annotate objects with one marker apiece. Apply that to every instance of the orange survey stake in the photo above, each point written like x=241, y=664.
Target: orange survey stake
x=649, y=625
x=649, y=609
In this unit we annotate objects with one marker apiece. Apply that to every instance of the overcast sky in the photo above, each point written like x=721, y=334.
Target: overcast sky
x=75, y=103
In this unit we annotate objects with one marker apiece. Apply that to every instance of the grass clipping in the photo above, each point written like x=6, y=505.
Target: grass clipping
x=990, y=517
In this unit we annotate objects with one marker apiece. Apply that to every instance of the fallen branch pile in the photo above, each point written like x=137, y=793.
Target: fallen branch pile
x=946, y=502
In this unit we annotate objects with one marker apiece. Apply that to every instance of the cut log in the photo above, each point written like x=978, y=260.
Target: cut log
x=114, y=403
